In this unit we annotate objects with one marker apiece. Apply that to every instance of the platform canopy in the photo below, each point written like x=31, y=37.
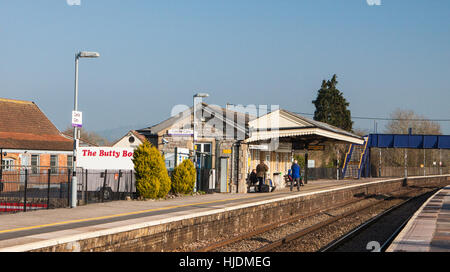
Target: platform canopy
x=288, y=126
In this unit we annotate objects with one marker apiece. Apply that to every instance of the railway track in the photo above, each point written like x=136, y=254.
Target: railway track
x=256, y=241
x=354, y=241
x=258, y=231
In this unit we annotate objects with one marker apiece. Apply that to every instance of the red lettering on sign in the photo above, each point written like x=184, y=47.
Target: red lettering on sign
x=127, y=154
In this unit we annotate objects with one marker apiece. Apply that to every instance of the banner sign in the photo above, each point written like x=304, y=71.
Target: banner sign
x=105, y=158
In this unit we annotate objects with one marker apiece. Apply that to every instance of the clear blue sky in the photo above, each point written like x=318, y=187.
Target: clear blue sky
x=157, y=54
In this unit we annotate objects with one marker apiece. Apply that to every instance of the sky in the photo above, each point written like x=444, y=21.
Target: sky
x=387, y=54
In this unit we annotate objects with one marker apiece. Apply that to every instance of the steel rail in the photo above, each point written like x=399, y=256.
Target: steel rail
x=273, y=226
x=347, y=237
x=315, y=227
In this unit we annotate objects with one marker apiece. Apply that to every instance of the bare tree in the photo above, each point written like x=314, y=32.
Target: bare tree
x=90, y=137
x=401, y=121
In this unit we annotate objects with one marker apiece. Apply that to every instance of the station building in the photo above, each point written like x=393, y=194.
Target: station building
x=230, y=142
x=218, y=130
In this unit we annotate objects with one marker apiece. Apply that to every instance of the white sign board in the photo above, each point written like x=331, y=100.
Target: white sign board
x=180, y=132
x=311, y=164
x=284, y=148
x=259, y=147
x=77, y=119
x=182, y=154
x=105, y=158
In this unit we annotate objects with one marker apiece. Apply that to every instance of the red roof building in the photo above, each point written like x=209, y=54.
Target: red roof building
x=29, y=139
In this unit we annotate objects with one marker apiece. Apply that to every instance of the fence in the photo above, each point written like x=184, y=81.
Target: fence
x=33, y=188
x=384, y=172
x=387, y=171
x=322, y=173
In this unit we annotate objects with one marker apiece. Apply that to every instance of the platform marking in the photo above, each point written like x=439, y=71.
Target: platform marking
x=186, y=205
x=116, y=215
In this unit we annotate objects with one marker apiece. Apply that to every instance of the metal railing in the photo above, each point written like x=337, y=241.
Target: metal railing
x=29, y=188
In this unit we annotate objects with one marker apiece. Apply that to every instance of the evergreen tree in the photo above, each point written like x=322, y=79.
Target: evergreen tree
x=183, y=177
x=152, y=179
x=331, y=106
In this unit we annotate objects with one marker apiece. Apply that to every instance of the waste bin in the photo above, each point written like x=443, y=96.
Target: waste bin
x=277, y=179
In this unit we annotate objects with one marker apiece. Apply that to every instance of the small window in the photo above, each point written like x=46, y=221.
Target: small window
x=131, y=139
x=7, y=164
x=207, y=148
x=69, y=161
x=35, y=164
x=53, y=164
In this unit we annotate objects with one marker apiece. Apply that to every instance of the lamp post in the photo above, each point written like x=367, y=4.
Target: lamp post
x=198, y=96
x=73, y=188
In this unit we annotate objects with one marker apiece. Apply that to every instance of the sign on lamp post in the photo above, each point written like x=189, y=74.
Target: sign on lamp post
x=77, y=119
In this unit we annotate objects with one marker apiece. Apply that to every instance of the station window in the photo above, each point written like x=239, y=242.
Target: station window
x=203, y=147
x=286, y=163
x=277, y=168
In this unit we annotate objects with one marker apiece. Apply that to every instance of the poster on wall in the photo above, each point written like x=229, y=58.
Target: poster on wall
x=105, y=158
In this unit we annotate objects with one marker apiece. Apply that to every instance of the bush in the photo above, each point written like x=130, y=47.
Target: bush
x=183, y=178
x=152, y=179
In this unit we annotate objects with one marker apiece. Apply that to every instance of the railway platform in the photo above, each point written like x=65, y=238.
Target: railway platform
x=429, y=228
x=159, y=225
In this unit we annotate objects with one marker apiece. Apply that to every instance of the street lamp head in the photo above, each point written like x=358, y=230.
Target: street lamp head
x=85, y=54
x=201, y=95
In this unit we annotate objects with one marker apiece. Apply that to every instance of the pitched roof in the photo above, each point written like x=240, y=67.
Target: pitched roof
x=214, y=111
x=24, y=126
x=284, y=124
x=136, y=134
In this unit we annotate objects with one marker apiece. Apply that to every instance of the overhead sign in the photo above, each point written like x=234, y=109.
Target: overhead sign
x=284, y=147
x=316, y=147
x=259, y=147
x=105, y=158
x=77, y=119
x=181, y=132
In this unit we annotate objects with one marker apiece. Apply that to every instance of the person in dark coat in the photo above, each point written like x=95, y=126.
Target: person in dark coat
x=253, y=178
x=295, y=175
x=261, y=170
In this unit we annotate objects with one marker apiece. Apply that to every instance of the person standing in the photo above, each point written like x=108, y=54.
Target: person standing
x=261, y=170
x=295, y=175
x=253, y=178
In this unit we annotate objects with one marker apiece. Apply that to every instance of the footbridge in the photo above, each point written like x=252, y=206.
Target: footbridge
x=357, y=160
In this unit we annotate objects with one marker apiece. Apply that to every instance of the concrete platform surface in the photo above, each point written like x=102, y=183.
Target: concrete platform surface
x=27, y=231
x=44, y=228
x=429, y=228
